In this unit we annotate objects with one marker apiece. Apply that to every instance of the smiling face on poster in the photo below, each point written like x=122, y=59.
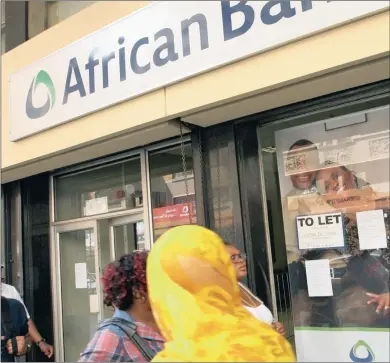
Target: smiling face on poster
x=334, y=186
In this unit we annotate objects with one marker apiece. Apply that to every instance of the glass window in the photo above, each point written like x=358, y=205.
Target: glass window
x=171, y=204
x=2, y=4
x=102, y=190
x=43, y=15
x=327, y=184
x=128, y=238
x=58, y=11
x=2, y=40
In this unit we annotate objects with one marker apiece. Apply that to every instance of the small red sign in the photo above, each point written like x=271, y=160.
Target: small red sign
x=173, y=215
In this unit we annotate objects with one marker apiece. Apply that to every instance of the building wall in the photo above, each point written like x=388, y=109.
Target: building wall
x=361, y=47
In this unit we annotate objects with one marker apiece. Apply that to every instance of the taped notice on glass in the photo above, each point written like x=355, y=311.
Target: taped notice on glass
x=372, y=229
x=80, y=271
x=96, y=206
x=93, y=304
x=319, y=231
x=318, y=277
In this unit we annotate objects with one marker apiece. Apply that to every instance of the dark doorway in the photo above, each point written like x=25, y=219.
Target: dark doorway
x=36, y=258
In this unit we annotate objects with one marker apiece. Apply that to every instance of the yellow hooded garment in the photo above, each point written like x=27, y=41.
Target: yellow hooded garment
x=196, y=302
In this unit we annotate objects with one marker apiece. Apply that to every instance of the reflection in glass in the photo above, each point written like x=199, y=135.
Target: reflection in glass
x=128, y=238
x=107, y=189
x=80, y=305
x=317, y=169
x=170, y=203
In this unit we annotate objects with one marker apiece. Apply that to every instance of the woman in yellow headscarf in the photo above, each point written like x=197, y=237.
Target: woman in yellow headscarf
x=196, y=302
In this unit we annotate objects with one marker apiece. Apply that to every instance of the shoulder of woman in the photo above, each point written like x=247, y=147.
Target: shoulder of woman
x=246, y=288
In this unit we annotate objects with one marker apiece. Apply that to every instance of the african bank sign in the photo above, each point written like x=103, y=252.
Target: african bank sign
x=161, y=44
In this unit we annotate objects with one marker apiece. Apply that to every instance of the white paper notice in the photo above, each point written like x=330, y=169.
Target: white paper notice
x=320, y=231
x=80, y=273
x=93, y=304
x=372, y=230
x=96, y=206
x=319, y=282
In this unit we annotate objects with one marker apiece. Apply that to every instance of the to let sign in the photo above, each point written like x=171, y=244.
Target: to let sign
x=320, y=231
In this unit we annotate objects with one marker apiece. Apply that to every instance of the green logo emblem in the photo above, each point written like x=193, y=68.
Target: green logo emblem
x=37, y=112
x=370, y=357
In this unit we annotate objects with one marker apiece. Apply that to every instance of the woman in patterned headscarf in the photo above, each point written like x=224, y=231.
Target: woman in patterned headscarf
x=196, y=302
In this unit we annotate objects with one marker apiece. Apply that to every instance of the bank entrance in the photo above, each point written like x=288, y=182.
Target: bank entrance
x=83, y=250
x=101, y=211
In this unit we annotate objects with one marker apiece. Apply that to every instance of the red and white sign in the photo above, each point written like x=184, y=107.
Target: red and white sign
x=174, y=215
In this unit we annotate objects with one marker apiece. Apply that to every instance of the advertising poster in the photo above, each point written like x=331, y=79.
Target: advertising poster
x=170, y=216
x=334, y=187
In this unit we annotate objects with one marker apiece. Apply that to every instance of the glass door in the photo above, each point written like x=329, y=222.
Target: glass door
x=127, y=235
x=79, y=288
x=116, y=237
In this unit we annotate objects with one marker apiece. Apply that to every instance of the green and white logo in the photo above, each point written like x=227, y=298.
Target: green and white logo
x=38, y=112
x=361, y=345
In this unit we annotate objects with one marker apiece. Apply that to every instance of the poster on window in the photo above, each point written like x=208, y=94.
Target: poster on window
x=338, y=170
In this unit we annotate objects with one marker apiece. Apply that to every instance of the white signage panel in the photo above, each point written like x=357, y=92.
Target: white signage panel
x=161, y=44
x=342, y=345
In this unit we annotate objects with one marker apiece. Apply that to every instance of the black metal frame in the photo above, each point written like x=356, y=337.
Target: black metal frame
x=13, y=234
x=202, y=215
x=201, y=140
x=225, y=134
x=237, y=212
x=29, y=188
x=7, y=258
x=27, y=257
x=252, y=211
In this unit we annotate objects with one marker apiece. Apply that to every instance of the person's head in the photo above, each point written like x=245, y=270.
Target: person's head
x=196, y=301
x=238, y=259
x=124, y=283
x=333, y=178
x=309, y=152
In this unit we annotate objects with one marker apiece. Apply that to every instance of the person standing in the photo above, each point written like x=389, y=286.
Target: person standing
x=14, y=329
x=10, y=292
x=249, y=300
x=125, y=289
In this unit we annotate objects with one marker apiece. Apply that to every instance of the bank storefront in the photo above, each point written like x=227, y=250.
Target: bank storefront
x=281, y=148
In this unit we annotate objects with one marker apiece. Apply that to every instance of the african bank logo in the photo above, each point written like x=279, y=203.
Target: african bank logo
x=37, y=112
x=361, y=352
